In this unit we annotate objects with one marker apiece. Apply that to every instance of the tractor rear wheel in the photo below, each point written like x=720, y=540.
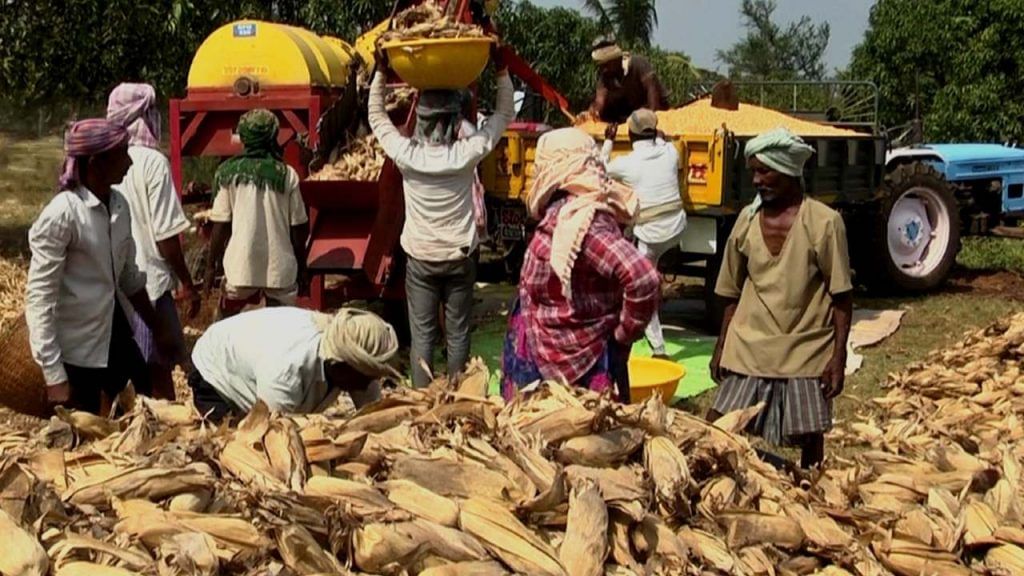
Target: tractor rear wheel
x=916, y=234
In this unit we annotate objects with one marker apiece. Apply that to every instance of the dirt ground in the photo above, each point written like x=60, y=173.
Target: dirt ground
x=998, y=283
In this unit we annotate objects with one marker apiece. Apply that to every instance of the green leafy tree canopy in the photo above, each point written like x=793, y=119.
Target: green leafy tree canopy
x=773, y=52
x=957, y=63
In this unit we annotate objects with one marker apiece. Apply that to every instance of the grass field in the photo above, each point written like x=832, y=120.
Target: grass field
x=29, y=169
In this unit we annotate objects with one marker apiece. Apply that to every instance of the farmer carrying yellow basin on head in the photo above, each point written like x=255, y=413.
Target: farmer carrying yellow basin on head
x=440, y=232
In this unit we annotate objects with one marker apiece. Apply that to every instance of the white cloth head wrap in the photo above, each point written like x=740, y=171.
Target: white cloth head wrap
x=780, y=150
x=360, y=339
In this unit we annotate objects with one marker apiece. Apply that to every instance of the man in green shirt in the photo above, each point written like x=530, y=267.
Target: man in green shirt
x=786, y=278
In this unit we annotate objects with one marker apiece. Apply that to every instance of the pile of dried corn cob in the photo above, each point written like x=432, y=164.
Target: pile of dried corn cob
x=12, y=290
x=447, y=481
x=361, y=159
x=701, y=118
x=428, y=20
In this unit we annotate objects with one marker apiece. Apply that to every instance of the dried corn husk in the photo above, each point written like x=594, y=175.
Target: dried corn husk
x=22, y=552
x=748, y=528
x=621, y=488
x=418, y=500
x=601, y=450
x=441, y=481
x=557, y=424
x=383, y=547
x=467, y=569
x=711, y=550
x=508, y=539
x=451, y=478
x=361, y=159
x=427, y=20
x=667, y=468
x=1006, y=557
x=86, y=424
x=356, y=497
x=90, y=569
x=585, y=546
x=148, y=483
x=302, y=554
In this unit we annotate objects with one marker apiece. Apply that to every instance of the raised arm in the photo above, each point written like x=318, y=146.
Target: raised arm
x=391, y=140
x=475, y=148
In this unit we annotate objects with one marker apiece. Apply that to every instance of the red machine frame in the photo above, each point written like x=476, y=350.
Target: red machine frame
x=354, y=226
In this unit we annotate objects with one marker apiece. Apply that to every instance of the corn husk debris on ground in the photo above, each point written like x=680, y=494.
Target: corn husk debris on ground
x=445, y=481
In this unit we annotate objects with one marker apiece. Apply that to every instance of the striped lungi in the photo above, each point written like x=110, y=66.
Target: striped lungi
x=793, y=406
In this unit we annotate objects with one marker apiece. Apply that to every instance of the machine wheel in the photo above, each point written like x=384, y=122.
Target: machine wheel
x=916, y=233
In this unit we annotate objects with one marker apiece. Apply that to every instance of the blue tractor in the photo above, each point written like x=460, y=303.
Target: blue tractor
x=934, y=194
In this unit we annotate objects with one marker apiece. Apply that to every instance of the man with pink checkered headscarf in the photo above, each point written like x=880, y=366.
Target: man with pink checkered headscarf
x=83, y=271
x=157, y=223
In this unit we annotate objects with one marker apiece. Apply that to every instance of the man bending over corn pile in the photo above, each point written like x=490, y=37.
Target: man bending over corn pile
x=83, y=262
x=292, y=359
x=258, y=214
x=786, y=278
x=652, y=171
x=625, y=83
x=440, y=233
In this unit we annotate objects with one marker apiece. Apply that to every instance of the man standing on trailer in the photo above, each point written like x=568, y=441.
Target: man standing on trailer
x=625, y=83
x=440, y=234
x=258, y=214
x=786, y=279
x=157, y=223
x=652, y=171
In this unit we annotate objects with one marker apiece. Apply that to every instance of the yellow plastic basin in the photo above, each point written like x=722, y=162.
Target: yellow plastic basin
x=439, y=63
x=647, y=375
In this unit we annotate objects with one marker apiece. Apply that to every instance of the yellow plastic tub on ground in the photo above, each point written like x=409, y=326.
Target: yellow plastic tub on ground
x=647, y=375
x=439, y=63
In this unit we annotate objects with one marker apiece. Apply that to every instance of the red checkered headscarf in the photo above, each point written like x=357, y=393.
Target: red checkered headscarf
x=88, y=138
x=134, y=107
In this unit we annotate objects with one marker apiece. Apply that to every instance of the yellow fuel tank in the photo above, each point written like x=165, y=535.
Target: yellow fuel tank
x=273, y=54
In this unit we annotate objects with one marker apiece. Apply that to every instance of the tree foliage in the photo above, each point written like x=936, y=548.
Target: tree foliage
x=81, y=51
x=633, y=21
x=960, y=63
x=51, y=57
x=773, y=52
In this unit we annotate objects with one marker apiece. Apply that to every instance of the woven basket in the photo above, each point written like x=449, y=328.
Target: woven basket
x=22, y=386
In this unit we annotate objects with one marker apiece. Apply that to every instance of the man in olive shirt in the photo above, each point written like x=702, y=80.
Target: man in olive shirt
x=786, y=277
x=625, y=83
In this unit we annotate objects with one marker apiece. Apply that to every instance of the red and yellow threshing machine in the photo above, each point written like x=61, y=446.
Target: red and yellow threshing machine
x=310, y=82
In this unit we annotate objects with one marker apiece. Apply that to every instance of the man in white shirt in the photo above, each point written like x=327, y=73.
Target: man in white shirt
x=294, y=360
x=83, y=260
x=258, y=214
x=157, y=223
x=440, y=233
x=652, y=170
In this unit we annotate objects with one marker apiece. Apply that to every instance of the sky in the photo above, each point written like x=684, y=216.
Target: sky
x=701, y=27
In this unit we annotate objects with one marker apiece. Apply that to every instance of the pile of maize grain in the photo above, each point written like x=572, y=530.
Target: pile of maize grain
x=362, y=159
x=700, y=118
x=428, y=20
x=446, y=481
